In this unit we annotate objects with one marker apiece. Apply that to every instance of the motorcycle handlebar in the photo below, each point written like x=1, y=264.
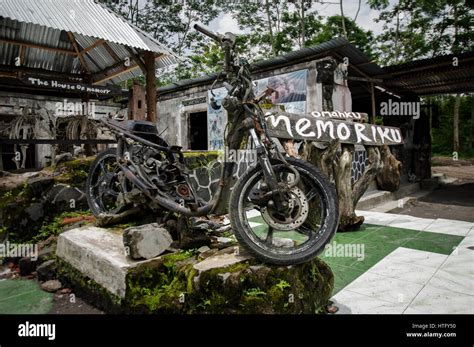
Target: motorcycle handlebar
x=207, y=32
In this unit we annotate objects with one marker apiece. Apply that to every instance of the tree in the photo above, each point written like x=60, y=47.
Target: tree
x=263, y=20
x=333, y=28
x=425, y=28
x=457, y=103
x=300, y=25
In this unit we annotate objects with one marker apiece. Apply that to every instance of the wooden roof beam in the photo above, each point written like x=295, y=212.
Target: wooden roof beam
x=79, y=55
x=116, y=73
x=94, y=45
x=33, y=45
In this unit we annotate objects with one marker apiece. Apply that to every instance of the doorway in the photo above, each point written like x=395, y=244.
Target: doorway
x=198, y=131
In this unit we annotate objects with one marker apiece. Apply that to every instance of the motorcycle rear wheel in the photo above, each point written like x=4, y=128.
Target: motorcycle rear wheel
x=103, y=186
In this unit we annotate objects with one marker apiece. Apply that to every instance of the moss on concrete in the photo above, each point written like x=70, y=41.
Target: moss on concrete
x=170, y=284
x=87, y=288
x=196, y=159
x=74, y=172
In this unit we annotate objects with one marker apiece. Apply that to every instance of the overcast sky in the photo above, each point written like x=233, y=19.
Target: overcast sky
x=365, y=19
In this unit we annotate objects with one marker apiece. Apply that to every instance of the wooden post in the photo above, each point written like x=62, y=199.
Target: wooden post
x=149, y=58
x=372, y=94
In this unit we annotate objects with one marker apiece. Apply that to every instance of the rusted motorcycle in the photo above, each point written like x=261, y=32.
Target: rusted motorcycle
x=282, y=210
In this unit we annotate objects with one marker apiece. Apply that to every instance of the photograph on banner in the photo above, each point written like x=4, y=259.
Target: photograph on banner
x=216, y=120
x=290, y=94
x=290, y=90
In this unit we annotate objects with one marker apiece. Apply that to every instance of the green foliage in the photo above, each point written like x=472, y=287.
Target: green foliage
x=282, y=285
x=442, y=122
x=254, y=292
x=411, y=29
x=7, y=195
x=419, y=29
x=55, y=226
x=333, y=27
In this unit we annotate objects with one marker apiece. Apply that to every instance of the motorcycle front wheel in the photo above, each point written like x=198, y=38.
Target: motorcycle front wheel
x=288, y=239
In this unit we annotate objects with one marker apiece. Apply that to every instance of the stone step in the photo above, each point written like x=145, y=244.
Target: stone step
x=372, y=199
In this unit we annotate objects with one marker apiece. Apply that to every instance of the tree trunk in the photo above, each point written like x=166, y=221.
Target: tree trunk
x=391, y=169
x=344, y=32
x=342, y=177
x=338, y=171
x=457, y=103
x=270, y=30
x=303, y=31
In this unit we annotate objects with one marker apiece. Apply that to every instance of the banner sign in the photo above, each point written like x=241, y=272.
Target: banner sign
x=216, y=120
x=323, y=129
x=72, y=86
x=290, y=90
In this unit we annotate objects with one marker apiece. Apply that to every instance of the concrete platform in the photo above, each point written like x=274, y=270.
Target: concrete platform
x=93, y=261
x=98, y=254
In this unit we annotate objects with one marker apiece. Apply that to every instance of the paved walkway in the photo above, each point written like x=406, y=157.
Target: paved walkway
x=416, y=276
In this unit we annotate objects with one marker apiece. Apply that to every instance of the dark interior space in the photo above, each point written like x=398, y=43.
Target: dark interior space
x=198, y=131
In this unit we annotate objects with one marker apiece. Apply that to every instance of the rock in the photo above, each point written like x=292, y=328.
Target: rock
x=146, y=241
x=47, y=270
x=203, y=249
x=35, y=211
x=223, y=228
x=51, y=286
x=332, y=309
x=96, y=254
x=208, y=253
x=27, y=266
x=63, y=157
x=65, y=197
x=223, y=242
x=220, y=261
x=46, y=253
x=39, y=185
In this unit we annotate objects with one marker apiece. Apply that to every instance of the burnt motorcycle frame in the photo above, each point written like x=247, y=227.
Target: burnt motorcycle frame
x=246, y=116
x=143, y=164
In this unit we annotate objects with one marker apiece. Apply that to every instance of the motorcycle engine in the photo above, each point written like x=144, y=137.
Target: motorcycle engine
x=154, y=167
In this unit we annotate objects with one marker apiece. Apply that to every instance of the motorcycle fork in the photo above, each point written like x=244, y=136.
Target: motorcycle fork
x=269, y=176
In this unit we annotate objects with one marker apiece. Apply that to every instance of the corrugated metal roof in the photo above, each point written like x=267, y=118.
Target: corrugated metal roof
x=431, y=76
x=46, y=23
x=339, y=46
x=83, y=17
